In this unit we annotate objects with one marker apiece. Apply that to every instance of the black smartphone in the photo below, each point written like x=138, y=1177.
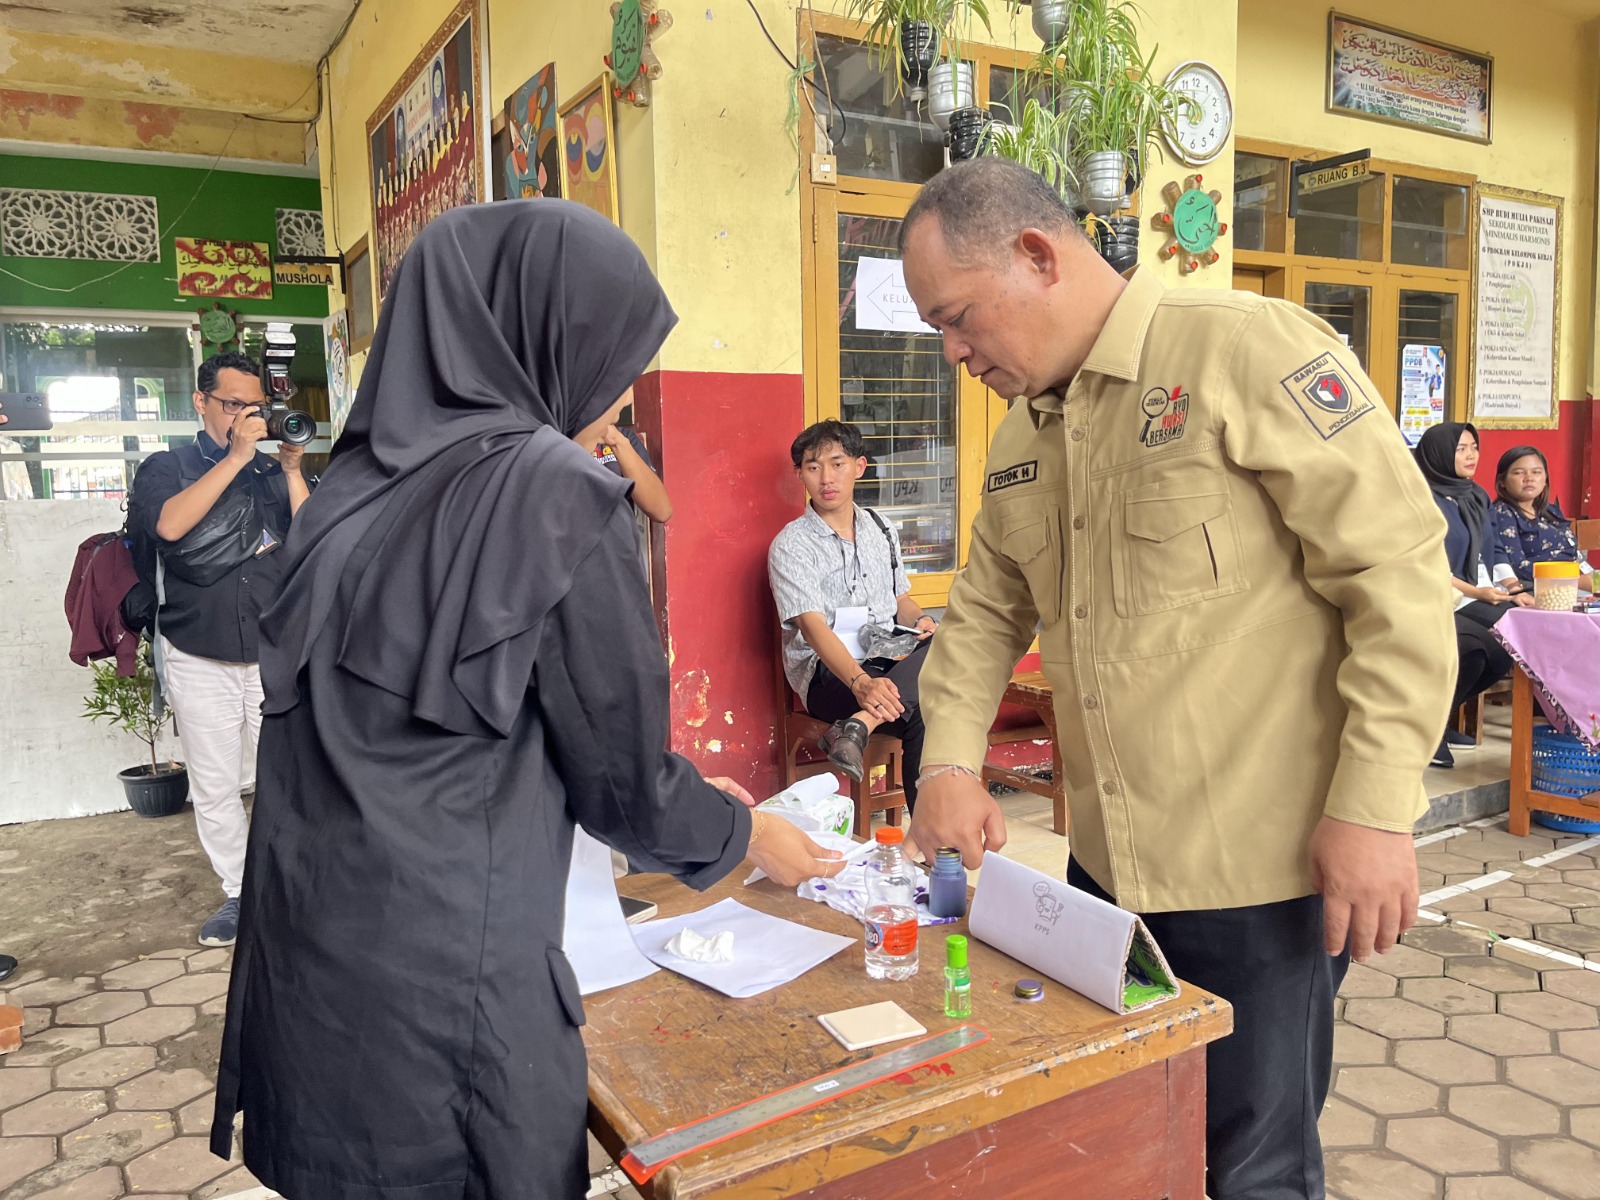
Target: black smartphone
x=634, y=911
x=24, y=411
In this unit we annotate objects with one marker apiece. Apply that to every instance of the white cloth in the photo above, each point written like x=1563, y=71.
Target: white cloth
x=695, y=948
x=218, y=706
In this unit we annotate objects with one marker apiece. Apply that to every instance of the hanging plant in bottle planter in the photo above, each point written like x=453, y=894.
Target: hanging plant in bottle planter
x=968, y=127
x=1114, y=106
x=1039, y=141
x=908, y=35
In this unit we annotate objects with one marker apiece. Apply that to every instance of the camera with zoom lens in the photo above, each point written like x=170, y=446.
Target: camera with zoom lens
x=284, y=424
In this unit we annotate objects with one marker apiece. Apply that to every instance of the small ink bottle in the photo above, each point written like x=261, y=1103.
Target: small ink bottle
x=947, y=884
x=957, y=979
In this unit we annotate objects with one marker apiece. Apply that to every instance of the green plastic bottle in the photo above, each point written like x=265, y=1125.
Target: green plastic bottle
x=957, y=979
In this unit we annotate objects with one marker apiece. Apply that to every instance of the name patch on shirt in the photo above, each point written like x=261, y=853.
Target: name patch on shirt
x=1327, y=395
x=1166, y=416
x=1010, y=477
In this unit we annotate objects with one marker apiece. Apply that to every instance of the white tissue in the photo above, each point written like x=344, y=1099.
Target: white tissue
x=692, y=947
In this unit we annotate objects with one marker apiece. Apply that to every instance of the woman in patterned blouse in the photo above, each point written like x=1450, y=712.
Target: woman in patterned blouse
x=1527, y=522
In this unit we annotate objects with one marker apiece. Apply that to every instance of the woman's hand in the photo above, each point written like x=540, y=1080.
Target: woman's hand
x=723, y=784
x=1489, y=595
x=786, y=854
x=1522, y=600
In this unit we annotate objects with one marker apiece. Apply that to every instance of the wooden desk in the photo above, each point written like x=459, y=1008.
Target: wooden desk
x=1065, y=1099
x=1031, y=690
x=1524, y=800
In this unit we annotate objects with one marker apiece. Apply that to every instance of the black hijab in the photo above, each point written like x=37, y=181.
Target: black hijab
x=1436, y=455
x=456, y=505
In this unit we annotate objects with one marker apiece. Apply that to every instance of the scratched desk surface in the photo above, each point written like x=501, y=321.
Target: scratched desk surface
x=666, y=1051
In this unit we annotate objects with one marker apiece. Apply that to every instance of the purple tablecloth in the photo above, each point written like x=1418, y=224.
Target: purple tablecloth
x=1561, y=654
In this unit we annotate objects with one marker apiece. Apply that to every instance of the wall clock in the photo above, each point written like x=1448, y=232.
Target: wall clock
x=1203, y=125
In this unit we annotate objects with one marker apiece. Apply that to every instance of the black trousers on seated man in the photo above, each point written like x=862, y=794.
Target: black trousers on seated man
x=830, y=699
x=1266, y=1082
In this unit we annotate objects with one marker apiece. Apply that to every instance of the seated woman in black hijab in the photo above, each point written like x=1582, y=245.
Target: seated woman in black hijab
x=461, y=666
x=1484, y=582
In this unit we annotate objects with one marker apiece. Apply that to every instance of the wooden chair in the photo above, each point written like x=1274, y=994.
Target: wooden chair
x=798, y=729
x=1468, y=718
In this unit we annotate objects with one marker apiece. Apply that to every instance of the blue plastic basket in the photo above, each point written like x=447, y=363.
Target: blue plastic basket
x=1563, y=767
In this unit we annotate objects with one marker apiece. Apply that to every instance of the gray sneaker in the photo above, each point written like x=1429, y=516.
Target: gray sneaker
x=222, y=927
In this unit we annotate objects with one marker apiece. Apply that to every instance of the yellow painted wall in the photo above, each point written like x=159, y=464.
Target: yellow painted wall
x=705, y=174
x=101, y=122
x=1545, y=106
x=386, y=36
x=729, y=228
x=214, y=78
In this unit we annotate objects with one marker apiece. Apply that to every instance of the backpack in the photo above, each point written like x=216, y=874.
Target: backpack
x=140, y=604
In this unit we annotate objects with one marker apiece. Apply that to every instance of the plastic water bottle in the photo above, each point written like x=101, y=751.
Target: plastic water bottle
x=891, y=920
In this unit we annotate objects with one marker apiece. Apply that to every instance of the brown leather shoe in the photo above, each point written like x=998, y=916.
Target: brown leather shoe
x=845, y=744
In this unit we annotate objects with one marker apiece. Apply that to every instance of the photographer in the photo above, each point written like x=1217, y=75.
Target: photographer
x=207, y=641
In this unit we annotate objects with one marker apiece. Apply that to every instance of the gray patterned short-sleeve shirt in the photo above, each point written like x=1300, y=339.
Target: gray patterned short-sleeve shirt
x=813, y=569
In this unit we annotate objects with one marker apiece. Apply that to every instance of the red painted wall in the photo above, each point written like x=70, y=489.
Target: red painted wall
x=1563, y=446
x=724, y=456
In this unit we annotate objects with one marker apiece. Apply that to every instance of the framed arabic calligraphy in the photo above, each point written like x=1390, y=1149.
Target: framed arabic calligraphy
x=1382, y=74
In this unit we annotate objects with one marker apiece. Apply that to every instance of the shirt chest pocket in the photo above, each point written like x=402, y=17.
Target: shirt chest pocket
x=1030, y=536
x=1170, y=549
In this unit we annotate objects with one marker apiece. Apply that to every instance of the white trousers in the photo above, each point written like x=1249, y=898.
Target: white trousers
x=218, y=706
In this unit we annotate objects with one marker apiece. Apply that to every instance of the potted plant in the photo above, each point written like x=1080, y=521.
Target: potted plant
x=1116, y=104
x=1117, y=239
x=967, y=129
x=908, y=34
x=157, y=789
x=1040, y=141
x=1050, y=19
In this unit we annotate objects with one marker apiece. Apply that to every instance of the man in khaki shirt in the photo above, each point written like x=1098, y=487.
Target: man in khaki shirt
x=1236, y=575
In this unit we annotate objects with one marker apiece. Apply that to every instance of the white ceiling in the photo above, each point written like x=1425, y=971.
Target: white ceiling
x=287, y=31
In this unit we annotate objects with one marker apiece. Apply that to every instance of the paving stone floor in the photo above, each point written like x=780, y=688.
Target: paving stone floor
x=1467, y=1068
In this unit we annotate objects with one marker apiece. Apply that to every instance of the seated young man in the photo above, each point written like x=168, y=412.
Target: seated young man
x=835, y=568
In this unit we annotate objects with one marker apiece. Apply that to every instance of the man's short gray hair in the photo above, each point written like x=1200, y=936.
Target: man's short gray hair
x=983, y=204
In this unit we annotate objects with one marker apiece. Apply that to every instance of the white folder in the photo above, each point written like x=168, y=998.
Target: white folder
x=1094, y=948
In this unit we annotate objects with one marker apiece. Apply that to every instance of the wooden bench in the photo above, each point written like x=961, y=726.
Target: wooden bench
x=1030, y=690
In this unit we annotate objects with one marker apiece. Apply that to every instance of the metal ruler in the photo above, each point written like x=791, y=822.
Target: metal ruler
x=647, y=1157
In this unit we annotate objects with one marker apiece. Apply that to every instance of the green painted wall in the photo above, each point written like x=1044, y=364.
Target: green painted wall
x=224, y=204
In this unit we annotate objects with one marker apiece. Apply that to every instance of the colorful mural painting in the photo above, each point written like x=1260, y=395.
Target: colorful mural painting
x=427, y=140
x=533, y=164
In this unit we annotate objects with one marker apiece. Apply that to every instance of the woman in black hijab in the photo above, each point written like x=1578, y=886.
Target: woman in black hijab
x=461, y=665
x=1448, y=456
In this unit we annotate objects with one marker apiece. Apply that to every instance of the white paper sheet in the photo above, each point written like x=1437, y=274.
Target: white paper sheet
x=768, y=951
x=597, y=940
x=883, y=302
x=847, y=623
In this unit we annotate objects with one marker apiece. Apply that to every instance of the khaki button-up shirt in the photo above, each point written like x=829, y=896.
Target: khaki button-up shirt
x=1237, y=578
